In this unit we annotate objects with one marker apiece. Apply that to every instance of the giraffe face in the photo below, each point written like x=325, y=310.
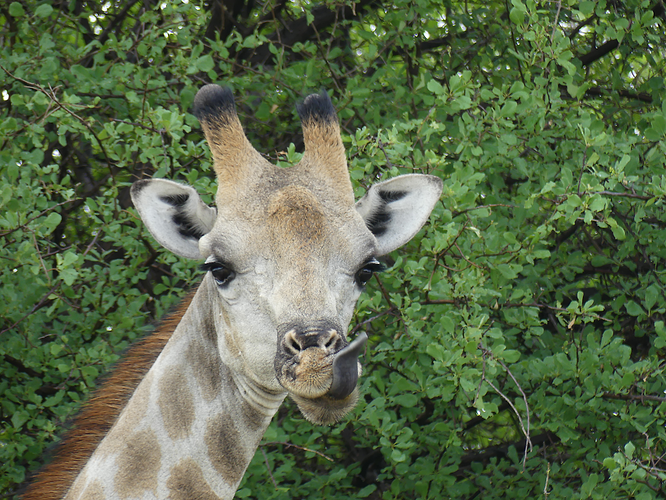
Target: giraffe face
x=286, y=252
x=287, y=273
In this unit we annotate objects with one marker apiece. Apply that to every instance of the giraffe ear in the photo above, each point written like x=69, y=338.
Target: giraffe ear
x=396, y=209
x=174, y=214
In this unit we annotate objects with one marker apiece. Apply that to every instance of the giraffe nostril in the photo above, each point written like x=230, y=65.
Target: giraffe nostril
x=291, y=343
x=295, y=346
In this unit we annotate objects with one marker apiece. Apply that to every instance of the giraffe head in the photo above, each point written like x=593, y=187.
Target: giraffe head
x=287, y=251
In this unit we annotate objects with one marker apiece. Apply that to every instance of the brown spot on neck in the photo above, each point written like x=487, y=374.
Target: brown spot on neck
x=186, y=482
x=138, y=465
x=226, y=449
x=176, y=403
x=207, y=368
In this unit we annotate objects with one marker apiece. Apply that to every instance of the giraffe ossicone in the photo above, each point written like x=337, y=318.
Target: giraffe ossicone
x=287, y=253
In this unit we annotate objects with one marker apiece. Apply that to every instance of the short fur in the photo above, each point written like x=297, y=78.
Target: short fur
x=98, y=416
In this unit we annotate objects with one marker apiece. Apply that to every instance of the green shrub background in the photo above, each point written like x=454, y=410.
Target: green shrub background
x=517, y=344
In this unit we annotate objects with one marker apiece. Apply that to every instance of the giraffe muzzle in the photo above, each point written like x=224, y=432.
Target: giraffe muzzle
x=321, y=380
x=316, y=362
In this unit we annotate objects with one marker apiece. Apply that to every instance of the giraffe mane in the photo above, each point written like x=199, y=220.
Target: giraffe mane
x=94, y=421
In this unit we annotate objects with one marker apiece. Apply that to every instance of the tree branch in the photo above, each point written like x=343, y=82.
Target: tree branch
x=598, y=52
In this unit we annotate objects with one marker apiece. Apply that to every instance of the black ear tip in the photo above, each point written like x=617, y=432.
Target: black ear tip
x=317, y=107
x=213, y=101
x=138, y=186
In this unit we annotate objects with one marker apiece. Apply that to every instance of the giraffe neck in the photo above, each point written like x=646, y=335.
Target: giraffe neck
x=191, y=427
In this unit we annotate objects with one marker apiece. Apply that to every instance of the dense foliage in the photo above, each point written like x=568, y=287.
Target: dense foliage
x=517, y=345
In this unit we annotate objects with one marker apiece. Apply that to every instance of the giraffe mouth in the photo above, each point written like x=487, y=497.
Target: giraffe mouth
x=322, y=384
x=315, y=372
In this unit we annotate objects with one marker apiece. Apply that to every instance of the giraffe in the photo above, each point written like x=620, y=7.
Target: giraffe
x=287, y=253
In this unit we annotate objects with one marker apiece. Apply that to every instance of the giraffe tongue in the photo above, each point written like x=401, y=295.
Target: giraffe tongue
x=345, y=368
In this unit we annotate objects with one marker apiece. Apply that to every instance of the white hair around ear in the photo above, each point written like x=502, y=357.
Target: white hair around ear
x=174, y=214
x=396, y=209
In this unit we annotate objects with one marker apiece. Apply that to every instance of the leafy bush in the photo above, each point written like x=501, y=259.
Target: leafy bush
x=516, y=345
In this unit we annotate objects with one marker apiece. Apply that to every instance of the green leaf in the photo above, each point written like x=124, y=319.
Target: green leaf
x=205, y=63
x=19, y=418
x=365, y=491
x=51, y=222
x=634, y=309
x=517, y=15
x=586, y=7
x=435, y=87
x=651, y=295
x=16, y=9
x=406, y=400
x=511, y=355
x=43, y=10
x=659, y=124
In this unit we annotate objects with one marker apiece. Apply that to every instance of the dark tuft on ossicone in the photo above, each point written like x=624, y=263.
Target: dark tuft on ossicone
x=317, y=108
x=214, y=103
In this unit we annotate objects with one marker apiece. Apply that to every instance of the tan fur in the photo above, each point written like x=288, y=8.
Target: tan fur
x=296, y=217
x=313, y=373
x=98, y=416
x=138, y=465
x=176, y=404
x=94, y=491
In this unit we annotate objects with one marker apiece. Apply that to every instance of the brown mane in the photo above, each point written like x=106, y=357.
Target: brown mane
x=97, y=417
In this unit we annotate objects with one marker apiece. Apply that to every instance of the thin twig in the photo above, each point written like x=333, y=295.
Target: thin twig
x=369, y=320
x=582, y=171
x=291, y=445
x=624, y=195
x=634, y=397
x=525, y=430
x=46, y=272
x=268, y=467
x=557, y=18
x=151, y=129
x=527, y=408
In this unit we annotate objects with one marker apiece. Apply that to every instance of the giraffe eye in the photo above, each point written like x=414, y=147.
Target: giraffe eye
x=364, y=274
x=221, y=273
